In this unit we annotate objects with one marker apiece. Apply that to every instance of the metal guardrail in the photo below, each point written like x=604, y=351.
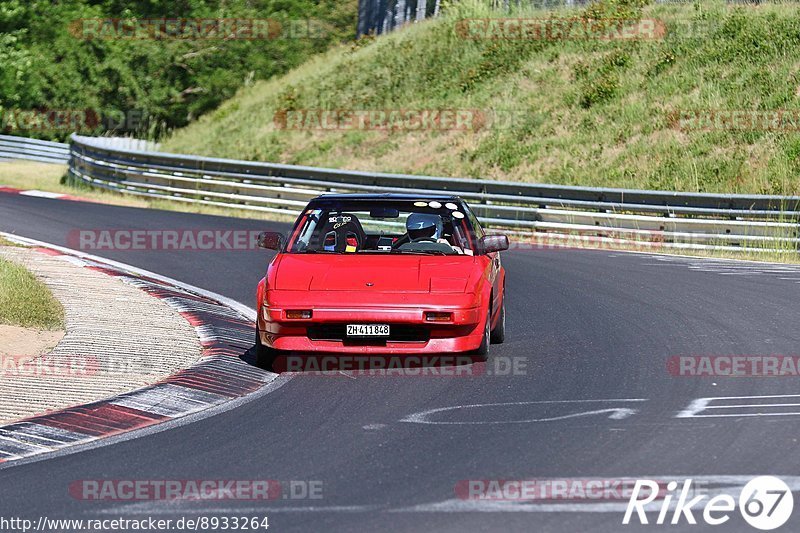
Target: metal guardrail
x=548, y=212
x=33, y=149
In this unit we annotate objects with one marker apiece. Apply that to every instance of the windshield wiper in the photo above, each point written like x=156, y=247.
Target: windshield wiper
x=317, y=252
x=420, y=252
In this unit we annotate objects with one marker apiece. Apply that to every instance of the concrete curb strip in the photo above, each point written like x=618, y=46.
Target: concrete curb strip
x=117, y=340
x=218, y=376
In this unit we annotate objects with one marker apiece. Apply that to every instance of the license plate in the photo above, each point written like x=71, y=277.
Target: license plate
x=367, y=330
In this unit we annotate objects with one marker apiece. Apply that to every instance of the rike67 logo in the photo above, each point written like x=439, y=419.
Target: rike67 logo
x=765, y=503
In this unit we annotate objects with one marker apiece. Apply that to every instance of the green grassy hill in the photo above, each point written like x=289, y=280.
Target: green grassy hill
x=588, y=112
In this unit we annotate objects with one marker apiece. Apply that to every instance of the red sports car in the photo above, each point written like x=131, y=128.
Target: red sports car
x=383, y=273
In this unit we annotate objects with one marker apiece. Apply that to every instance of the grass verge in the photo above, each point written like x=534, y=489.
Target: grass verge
x=26, y=301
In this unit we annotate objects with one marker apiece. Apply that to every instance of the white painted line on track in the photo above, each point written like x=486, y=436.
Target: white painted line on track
x=740, y=415
x=615, y=413
x=705, y=405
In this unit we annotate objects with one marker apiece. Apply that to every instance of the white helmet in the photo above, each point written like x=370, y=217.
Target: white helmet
x=424, y=226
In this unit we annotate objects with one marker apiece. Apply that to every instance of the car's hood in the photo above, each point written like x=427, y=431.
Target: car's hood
x=383, y=273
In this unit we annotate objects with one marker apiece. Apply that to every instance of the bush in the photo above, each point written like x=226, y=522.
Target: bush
x=169, y=82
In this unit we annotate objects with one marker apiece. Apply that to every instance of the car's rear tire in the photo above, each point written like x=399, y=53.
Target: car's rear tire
x=499, y=331
x=482, y=352
x=264, y=354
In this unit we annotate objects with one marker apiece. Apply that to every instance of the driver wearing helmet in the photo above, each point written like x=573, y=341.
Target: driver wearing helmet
x=424, y=227
x=426, y=231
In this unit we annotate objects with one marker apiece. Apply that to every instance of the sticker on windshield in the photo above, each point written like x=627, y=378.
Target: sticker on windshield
x=451, y=206
x=434, y=204
x=340, y=219
x=458, y=214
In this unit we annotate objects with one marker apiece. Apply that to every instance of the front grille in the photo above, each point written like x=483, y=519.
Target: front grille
x=397, y=333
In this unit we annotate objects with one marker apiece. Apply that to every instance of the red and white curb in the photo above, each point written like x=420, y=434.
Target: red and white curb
x=226, y=332
x=42, y=194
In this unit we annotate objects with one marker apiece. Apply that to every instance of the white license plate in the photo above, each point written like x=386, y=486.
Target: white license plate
x=367, y=330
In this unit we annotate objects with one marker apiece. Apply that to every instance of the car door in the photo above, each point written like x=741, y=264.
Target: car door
x=494, y=267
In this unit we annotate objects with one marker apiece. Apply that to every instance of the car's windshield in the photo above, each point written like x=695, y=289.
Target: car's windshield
x=423, y=226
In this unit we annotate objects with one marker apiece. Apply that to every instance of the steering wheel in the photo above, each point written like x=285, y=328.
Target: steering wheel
x=424, y=239
x=399, y=242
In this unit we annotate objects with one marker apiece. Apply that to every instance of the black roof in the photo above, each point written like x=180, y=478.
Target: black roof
x=387, y=196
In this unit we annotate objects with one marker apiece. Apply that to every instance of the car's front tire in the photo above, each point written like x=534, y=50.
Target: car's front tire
x=499, y=331
x=264, y=354
x=482, y=352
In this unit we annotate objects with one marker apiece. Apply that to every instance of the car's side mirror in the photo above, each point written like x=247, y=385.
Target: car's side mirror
x=271, y=240
x=494, y=243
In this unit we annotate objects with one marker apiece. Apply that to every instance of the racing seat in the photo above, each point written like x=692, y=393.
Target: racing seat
x=343, y=233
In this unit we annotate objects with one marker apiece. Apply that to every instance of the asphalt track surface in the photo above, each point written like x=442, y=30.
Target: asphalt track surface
x=589, y=325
